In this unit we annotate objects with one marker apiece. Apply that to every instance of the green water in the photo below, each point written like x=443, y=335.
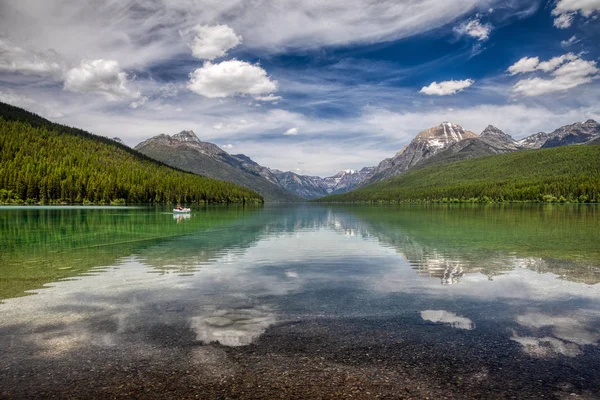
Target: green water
x=525, y=276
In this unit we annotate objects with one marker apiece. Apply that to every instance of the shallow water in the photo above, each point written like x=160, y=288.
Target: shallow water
x=506, y=298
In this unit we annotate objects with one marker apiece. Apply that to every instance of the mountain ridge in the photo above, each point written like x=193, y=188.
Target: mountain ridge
x=186, y=151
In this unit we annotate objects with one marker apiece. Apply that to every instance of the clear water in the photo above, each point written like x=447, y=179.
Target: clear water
x=507, y=282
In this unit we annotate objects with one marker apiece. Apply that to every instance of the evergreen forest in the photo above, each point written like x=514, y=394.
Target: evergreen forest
x=47, y=163
x=562, y=174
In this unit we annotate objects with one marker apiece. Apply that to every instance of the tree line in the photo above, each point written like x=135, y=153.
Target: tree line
x=569, y=174
x=43, y=162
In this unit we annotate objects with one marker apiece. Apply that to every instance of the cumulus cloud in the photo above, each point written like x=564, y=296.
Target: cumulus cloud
x=103, y=77
x=567, y=71
x=210, y=42
x=475, y=29
x=446, y=88
x=231, y=78
x=28, y=62
x=555, y=62
x=228, y=146
x=530, y=64
x=525, y=64
x=565, y=11
x=291, y=132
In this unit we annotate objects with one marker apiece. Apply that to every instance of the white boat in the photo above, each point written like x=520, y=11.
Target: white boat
x=182, y=210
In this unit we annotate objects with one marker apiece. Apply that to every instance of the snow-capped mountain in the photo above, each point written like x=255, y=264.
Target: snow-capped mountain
x=534, y=141
x=425, y=145
x=580, y=132
x=312, y=187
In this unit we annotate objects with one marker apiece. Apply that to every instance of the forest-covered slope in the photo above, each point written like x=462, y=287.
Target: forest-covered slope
x=45, y=162
x=559, y=174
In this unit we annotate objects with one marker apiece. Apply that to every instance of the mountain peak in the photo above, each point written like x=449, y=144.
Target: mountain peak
x=186, y=136
x=446, y=131
x=450, y=124
x=491, y=130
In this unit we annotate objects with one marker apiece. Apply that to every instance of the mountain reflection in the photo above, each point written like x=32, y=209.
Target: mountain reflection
x=448, y=242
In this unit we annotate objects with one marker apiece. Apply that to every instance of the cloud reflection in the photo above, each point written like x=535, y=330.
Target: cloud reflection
x=449, y=318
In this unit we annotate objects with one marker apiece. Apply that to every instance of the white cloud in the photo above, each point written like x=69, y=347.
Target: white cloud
x=210, y=42
x=446, y=88
x=525, y=64
x=228, y=146
x=570, y=42
x=101, y=77
x=270, y=97
x=530, y=64
x=230, y=78
x=291, y=132
x=563, y=21
x=475, y=29
x=555, y=62
x=575, y=72
x=18, y=60
x=565, y=11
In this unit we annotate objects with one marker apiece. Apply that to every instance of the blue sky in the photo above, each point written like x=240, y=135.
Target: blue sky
x=311, y=86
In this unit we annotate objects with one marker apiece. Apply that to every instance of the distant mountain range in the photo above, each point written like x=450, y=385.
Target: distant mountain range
x=312, y=187
x=444, y=143
x=186, y=151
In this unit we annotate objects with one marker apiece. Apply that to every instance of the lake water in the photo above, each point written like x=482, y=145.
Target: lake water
x=301, y=301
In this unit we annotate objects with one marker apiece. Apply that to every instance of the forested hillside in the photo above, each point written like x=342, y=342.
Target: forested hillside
x=562, y=174
x=49, y=163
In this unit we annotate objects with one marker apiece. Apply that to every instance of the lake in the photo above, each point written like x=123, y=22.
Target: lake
x=301, y=301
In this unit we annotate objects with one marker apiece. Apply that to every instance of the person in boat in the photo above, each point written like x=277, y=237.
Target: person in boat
x=179, y=207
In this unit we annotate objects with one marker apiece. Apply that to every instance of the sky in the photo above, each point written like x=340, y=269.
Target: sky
x=311, y=86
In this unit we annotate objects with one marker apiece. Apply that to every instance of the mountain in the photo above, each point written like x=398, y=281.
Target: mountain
x=573, y=134
x=566, y=173
x=579, y=132
x=594, y=141
x=250, y=165
x=186, y=151
x=46, y=162
x=498, y=139
x=425, y=145
x=307, y=187
x=312, y=187
x=347, y=180
x=535, y=141
x=491, y=141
